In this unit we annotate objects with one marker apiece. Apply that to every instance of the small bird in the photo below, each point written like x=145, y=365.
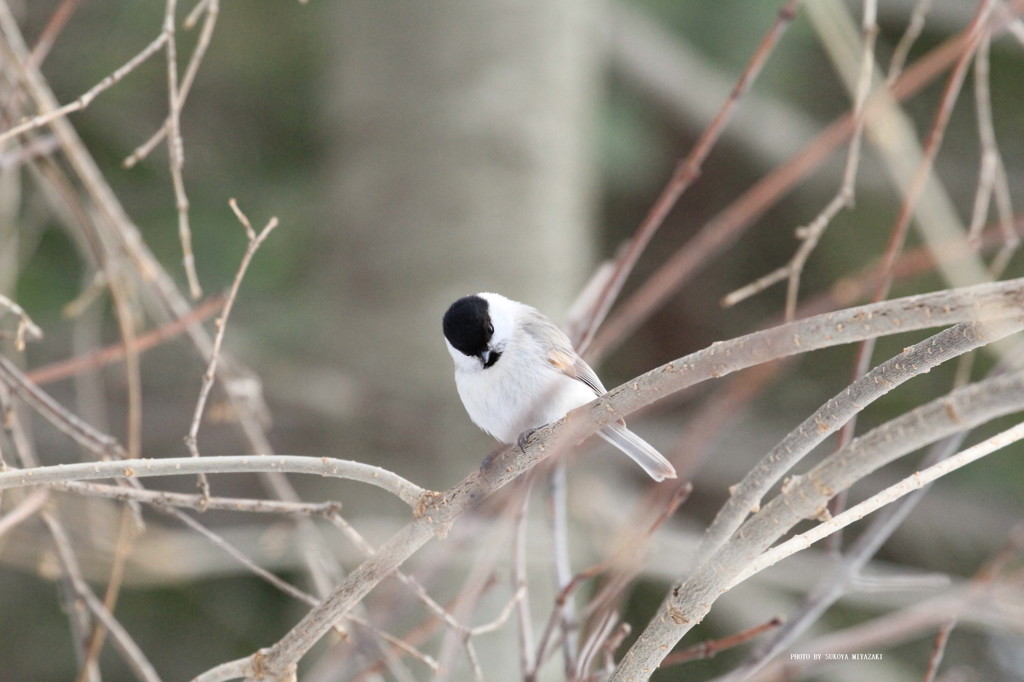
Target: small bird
x=516, y=371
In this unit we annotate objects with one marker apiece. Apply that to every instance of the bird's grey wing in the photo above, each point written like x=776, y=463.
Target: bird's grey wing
x=560, y=353
x=587, y=375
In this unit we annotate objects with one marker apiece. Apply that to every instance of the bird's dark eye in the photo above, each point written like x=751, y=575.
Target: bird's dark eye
x=490, y=328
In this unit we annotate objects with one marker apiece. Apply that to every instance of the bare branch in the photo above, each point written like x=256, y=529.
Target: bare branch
x=58, y=20
x=848, y=569
x=728, y=225
x=918, y=359
x=807, y=496
x=85, y=99
x=907, y=40
x=990, y=605
x=241, y=558
x=82, y=433
x=115, y=352
x=686, y=172
x=711, y=648
x=559, y=517
x=211, y=8
x=23, y=511
x=887, y=496
x=254, y=242
x=27, y=329
x=176, y=149
x=524, y=617
x=123, y=278
x=197, y=502
x=812, y=233
x=130, y=651
x=410, y=493
x=992, y=179
x=938, y=649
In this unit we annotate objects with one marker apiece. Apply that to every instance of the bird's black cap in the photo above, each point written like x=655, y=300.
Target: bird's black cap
x=467, y=325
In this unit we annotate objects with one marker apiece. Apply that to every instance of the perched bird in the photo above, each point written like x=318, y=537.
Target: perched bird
x=516, y=371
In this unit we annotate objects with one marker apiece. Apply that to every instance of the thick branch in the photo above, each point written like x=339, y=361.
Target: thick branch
x=806, y=497
x=915, y=481
x=917, y=359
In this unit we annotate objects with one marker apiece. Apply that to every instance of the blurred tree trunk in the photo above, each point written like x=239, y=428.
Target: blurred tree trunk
x=461, y=162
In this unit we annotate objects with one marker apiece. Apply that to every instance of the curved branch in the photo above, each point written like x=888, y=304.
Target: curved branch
x=745, y=497
x=915, y=481
x=408, y=492
x=807, y=496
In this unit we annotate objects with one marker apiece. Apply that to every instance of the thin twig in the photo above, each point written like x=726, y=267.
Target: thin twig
x=975, y=34
x=685, y=174
x=593, y=645
x=58, y=20
x=241, y=558
x=502, y=617
x=85, y=99
x=27, y=329
x=398, y=643
x=844, y=198
x=267, y=576
x=16, y=53
x=211, y=8
x=442, y=613
x=524, y=618
x=992, y=178
x=480, y=579
x=722, y=230
x=82, y=433
x=907, y=40
x=106, y=220
x=559, y=516
x=94, y=646
x=938, y=649
x=811, y=234
x=123, y=642
x=176, y=151
x=23, y=511
x=254, y=242
x=711, y=647
x=198, y=502
x=626, y=560
x=115, y=352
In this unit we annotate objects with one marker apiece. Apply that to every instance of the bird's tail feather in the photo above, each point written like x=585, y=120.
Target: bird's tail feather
x=652, y=461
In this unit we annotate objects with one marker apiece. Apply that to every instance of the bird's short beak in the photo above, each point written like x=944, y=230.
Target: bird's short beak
x=485, y=356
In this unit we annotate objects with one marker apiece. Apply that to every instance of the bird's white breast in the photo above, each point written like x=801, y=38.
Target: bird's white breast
x=520, y=391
